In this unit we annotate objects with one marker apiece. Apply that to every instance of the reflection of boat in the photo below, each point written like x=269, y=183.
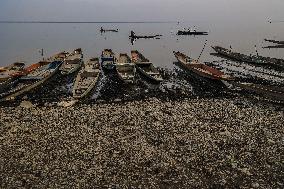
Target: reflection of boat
x=145, y=68
x=125, y=68
x=200, y=69
x=191, y=32
x=87, y=78
x=273, y=93
x=72, y=62
x=108, y=59
x=31, y=81
x=254, y=59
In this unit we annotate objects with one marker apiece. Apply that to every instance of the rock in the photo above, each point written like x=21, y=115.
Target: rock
x=255, y=185
x=66, y=104
x=26, y=104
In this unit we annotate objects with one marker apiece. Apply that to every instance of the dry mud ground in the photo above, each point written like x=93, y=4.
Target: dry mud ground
x=190, y=143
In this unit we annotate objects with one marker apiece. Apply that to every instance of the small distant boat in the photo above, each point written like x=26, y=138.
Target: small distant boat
x=274, y=41
x=191, y=32
x=87, y=78
x=108, y=30
x=253, y=59
x=72, y=63
x=200, y=69
x=145, y=67
x=108, y=59
x=125, y=68
x=31, y=81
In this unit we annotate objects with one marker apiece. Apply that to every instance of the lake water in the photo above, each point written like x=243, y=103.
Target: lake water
x=24, y=41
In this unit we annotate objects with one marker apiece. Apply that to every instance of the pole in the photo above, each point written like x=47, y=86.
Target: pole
x=202, y=50
x=256, y=50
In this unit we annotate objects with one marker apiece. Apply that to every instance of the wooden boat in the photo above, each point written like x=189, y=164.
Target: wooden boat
x=108, y=30
x=200, y=69
x=273, y=93
x=72, y=63
x=87, y=79
x=108, y=59
x=253, y=59
x=10, y=74
x=125, y=68
x=31, y=81
x=191, y=32
x=274, y=41
x=11, y=71
x=145, y=67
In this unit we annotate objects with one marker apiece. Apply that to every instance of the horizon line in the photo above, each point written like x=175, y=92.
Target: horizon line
x=84, y=22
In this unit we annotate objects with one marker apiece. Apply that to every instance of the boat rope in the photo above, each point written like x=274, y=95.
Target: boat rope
x=202, y=50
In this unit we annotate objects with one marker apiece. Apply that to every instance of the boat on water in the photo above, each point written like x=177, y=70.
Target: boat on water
x=87, y=79
x=31, y=81
x=108, y=59
x=125, y=68
x=191, y=32
x=72, y=63
x=253, y=59
x=145, y=67
x=200, y=69
x=108, y=30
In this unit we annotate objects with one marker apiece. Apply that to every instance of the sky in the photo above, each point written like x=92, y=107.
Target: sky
x=141, y=10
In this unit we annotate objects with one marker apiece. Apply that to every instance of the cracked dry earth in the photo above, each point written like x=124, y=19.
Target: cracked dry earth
x=192, y=143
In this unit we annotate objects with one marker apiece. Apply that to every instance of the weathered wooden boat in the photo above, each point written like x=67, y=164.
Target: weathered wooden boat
x=10, y=74
x=108, y=59
x=125, y=68
x=200, y=69
x=145, y=67
x=31, y=81
x=191, y=32
x=273, y=93
x=87, y=79
x=253, y=59
x=72, y=63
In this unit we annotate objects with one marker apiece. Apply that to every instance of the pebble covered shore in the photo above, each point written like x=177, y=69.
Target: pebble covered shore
x=190, y=143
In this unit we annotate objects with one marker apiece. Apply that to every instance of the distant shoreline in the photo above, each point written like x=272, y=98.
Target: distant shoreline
x=78, y=22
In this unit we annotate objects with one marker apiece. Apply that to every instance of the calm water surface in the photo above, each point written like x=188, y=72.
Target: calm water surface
x=22, y=42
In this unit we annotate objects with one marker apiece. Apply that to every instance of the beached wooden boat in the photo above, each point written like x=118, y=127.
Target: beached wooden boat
x=200, y=69
x=273, y=93
x=9, y=74
x=145, y=67
x=108, y=59
x=87, y=79
x=125, y=68
x=31, y=81
x=72, y=63
x=253, y=59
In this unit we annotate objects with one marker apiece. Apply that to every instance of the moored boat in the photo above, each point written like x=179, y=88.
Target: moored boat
x=87, y=78
x=125, y=68
x=145, y=67
x=200, y=69
x=107, y=59
x=31, y=81
x=191, y=32
x=72, y=63
x=253, y=59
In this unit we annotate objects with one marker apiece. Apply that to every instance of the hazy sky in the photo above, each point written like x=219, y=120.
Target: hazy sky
x=141, y=10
